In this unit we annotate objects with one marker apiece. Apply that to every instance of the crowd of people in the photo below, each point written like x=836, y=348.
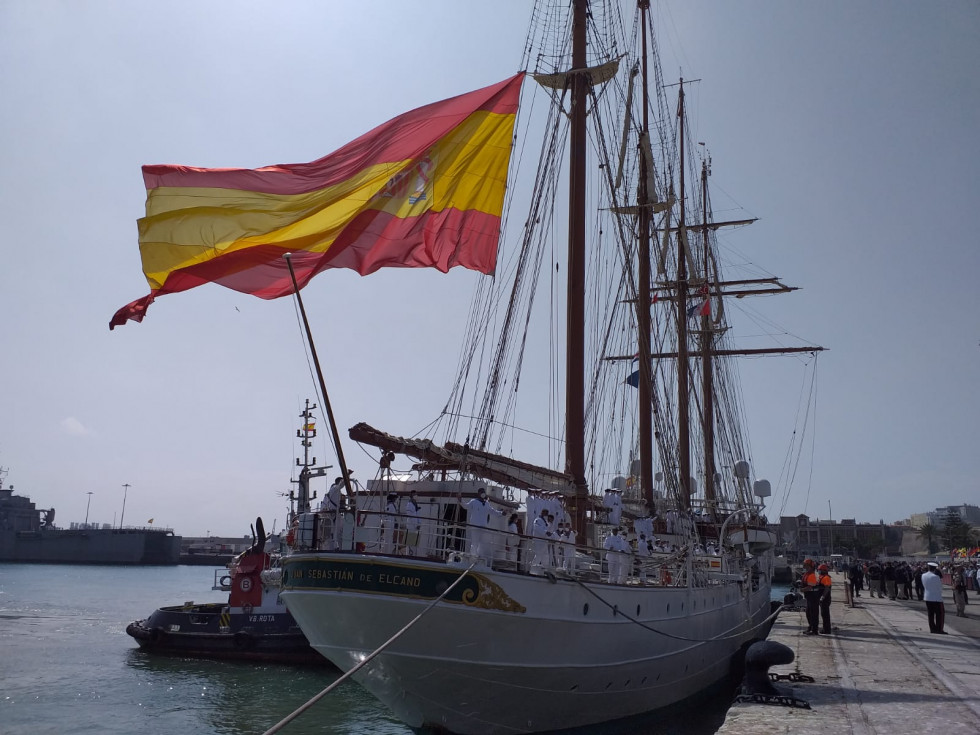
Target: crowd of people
x=894, y=580
x=548, y=542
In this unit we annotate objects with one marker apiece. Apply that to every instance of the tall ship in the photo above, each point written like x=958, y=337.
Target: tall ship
x=579, y=536
x=480, y=591
x=29, y=534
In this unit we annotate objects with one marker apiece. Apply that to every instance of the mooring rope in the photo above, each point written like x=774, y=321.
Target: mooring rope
x=302, y=708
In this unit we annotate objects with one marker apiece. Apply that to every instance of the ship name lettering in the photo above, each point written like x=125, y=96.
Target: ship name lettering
x=399, y=580
x=338, y=574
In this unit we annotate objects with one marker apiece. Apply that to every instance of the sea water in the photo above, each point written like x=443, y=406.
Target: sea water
x=67, y=666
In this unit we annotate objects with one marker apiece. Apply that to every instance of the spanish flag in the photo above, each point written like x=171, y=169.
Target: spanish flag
x=424, y=190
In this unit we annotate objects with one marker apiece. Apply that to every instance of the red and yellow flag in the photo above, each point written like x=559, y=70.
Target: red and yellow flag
x=424, y=190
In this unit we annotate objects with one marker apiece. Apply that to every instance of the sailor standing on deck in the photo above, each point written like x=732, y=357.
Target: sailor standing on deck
x=616, y=499
x=625, y=558
x=570, y=538
x=644, y=551
x=389, y=524
x=331, y=506
x=614, y=556
x=413, y=524
x=539, y=540
x=478, y=515
x=513, y=543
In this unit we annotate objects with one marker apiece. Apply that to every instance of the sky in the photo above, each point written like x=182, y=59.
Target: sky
x=849, y=129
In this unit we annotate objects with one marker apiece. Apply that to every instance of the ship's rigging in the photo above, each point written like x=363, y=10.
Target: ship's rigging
x=649, y=221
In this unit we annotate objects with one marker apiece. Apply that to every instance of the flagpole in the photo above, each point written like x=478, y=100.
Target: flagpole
x=319, y=374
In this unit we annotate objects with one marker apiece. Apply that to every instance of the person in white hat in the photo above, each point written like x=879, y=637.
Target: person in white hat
x=933, y=584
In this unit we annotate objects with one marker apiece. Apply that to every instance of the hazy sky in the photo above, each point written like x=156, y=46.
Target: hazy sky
x=849, y=128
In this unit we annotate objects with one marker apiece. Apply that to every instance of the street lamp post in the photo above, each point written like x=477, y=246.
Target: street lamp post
x=87, y=506
x=122, y=515
x=831, y=512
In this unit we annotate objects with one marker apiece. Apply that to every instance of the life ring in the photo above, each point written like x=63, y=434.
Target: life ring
x=225, y=581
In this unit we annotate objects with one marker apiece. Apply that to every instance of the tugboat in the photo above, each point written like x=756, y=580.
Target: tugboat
x=254, y=624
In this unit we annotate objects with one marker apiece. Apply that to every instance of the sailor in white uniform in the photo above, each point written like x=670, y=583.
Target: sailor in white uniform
x=413, y=524
x=479, y=513
x=330, y=507
x=616, y=514
x=613, y=556
x=389, y=524
x=540, y=535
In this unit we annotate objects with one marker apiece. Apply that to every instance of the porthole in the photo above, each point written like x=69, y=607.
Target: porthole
x=668, y=607
x=585, y=609
x=637, y=611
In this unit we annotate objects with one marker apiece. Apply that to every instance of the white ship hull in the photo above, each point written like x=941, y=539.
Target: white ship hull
x=516, y=653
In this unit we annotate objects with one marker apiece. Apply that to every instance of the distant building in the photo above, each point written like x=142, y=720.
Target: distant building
x=800, y=537
x=918, y=520
x=969, y=514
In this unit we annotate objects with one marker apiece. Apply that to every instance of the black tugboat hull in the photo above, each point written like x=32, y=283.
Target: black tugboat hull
x=207, y=631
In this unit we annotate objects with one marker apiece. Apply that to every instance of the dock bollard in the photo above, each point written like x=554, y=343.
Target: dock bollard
x=760, y=656
x=757, y=687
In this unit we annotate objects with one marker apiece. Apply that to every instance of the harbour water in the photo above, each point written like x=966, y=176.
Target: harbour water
x=67, y=665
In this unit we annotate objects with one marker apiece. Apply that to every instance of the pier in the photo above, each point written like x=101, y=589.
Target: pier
x=880, y=671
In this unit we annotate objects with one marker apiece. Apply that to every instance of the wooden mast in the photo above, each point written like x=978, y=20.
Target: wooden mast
x=645, y=385
x=575, y=328
x=683, y=391
x=707, y=361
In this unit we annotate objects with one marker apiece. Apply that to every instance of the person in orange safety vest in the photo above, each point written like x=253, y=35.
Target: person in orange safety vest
x=824, y=583
x=810, y=585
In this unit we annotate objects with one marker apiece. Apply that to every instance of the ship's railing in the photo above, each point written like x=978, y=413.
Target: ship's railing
x=458, y=543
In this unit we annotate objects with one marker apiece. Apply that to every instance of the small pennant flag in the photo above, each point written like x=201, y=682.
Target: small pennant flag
x=702, y=308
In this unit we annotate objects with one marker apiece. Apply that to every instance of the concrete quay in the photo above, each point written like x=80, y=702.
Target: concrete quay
x=880, y=671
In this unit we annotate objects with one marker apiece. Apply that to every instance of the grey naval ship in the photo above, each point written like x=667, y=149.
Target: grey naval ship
x=28, y=534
